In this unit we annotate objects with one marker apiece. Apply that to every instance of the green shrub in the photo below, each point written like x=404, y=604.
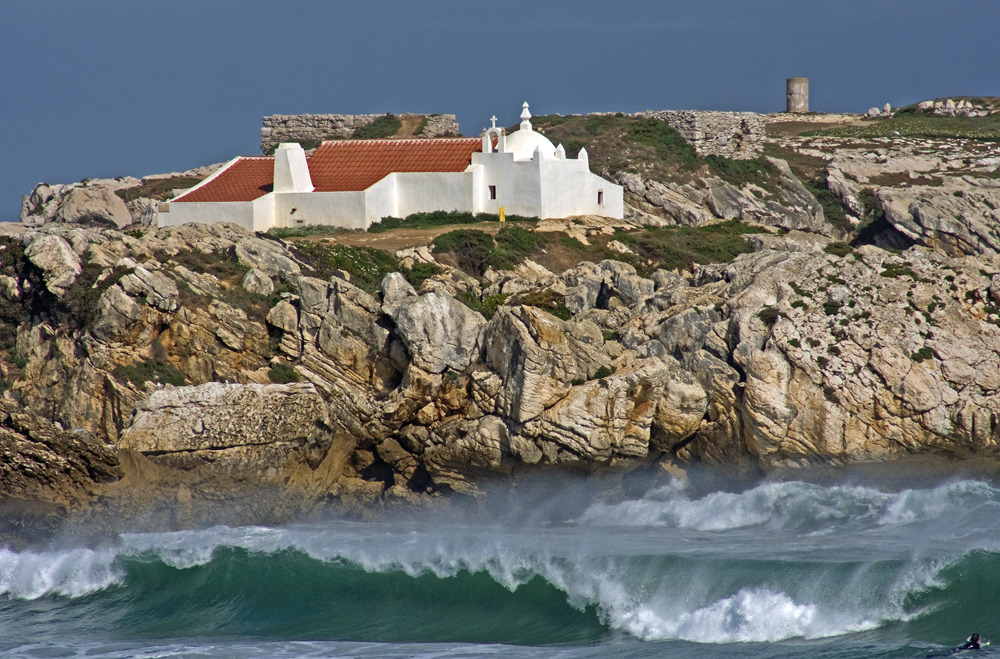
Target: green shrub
x=799, y=304
x=385, y=126
x=896, y=270
x=669, y=144
x=305, y=230
x=513, y=245
x=794, y=343
x=838, y=249
x=487, y=306
x=833, y=350
x=150, y=370
x=573, y=243
x=610, y=336
x=366, y=265
x=440, y=219
x=474, y=251
x=758, y=171
x=768, y=316
x=282, y=374
x=922, y=354
x=470, y=248
x=831, y=308
x=420, y=272
x=419, y=130
x=679, y=247
x=602, y=372
x=548, y=301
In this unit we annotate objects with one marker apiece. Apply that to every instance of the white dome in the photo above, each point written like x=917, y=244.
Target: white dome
x=522, y=143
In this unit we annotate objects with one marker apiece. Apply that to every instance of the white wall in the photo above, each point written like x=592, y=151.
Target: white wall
x=236, y=212
x=569, y=188
x=345, y=209
x=517, y=184
x=545, y=188
x=419, y=192
x=381, y=200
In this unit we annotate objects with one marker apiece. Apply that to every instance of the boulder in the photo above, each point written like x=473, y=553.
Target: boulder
x=439, y=331
x=56, y=259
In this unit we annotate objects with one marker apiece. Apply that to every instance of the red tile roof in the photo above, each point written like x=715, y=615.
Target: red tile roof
x=358, y=164
x=244, y=180
x=339, y=166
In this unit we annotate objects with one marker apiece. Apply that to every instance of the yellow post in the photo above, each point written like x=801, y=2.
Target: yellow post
x=502, y=219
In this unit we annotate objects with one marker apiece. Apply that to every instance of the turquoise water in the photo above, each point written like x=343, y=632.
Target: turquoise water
x=782, y=569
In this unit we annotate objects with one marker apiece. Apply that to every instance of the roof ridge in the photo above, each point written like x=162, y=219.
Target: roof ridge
x=400, y=140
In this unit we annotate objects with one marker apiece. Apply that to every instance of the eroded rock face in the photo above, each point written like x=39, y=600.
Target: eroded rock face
x=400, y=393
x=43, y=462
x=240, y=428
x=788, y=204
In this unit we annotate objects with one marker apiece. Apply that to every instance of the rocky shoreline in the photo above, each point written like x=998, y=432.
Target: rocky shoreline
x=159, y=372
x=803, y=352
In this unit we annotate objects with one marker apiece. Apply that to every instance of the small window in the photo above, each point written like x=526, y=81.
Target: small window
x=493, y=192
x=600, y=197
x=300, y=221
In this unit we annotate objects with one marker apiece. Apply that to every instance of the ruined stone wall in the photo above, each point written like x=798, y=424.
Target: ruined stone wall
x=737, y=135
x=318, y=127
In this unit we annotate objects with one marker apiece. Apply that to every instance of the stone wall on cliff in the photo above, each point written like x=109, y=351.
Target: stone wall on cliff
x=314, y=128
x=736, y=135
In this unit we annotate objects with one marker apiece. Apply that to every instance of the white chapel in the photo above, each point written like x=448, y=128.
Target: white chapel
x=355, y=183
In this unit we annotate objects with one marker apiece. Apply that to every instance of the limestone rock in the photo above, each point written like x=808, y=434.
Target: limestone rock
x=56, y=259
x=256, y=281
x=246, y=428
x=439, y=331
x=268, y=257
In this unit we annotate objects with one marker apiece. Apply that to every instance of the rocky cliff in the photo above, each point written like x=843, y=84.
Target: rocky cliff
x=194, y=361
x=207, y=353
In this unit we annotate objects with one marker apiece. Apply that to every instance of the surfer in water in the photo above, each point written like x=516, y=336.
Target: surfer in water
x=972, y=644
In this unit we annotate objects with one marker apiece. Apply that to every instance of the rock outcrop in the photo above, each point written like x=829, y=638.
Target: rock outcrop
x=787, y=204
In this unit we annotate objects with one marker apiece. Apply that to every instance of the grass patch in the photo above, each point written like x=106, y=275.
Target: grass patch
x=680, y=247
x=897, y=270
x=150, y=370
x=474, y=251
x=759, y=171
x=920, y=125
x=366, y=265
x=388, y=125
x=768, y=316
x=303, y=231
x=440, y=219
x=838, y=249
x=548, y=301
x=487, y=306
x=282, y=374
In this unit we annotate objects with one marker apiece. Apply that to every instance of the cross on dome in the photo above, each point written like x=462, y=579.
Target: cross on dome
x=493, y=121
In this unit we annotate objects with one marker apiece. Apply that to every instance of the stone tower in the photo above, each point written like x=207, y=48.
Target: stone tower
x=797, y=95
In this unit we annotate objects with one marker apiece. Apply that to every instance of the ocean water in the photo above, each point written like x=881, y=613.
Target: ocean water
x=775, y=569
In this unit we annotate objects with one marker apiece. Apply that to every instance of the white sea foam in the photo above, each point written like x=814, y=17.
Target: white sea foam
x=72, y=573
x=645, y=565
x=798, y=507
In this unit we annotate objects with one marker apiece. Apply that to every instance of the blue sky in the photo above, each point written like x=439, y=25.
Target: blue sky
x=108, y=88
